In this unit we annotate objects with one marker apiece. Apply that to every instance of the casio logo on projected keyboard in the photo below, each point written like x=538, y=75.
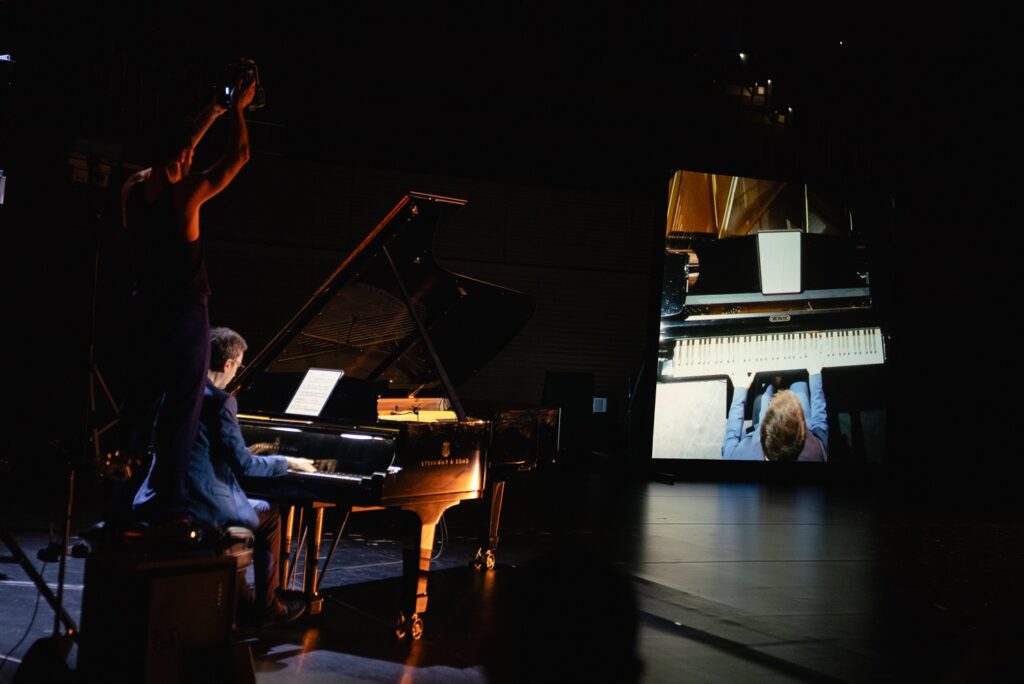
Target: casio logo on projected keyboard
x=779, y=318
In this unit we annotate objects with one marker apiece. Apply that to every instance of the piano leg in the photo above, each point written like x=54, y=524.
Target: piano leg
x=484, y=556
x=314, y=515
x=416, y=554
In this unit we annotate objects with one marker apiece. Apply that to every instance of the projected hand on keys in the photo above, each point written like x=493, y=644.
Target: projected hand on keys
x=816, y=351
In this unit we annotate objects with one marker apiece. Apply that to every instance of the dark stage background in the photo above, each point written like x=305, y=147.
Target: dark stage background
x=561, y=124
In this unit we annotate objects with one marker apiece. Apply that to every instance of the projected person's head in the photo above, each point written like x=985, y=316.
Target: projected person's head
x=783, y=430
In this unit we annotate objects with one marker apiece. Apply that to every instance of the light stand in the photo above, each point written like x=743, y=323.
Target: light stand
x=46, y=659
x=18, y=556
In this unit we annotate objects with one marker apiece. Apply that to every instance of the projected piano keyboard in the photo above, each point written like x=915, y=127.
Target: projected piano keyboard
x=699, y=357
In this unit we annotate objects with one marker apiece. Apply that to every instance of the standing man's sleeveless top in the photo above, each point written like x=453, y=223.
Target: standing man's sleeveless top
x=167, y=269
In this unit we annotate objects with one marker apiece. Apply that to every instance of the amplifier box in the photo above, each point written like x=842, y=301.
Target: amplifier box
x=157, y=620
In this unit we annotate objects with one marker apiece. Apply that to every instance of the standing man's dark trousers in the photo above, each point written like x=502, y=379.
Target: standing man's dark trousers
x=171, y=360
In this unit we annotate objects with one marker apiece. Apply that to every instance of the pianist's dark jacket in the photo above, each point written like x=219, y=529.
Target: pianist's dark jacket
x=218, y=458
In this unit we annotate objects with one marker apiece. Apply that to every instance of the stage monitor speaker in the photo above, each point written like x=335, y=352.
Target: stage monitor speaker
x=157, y=620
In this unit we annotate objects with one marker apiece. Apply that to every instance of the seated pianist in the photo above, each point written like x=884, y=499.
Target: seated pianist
x=789, y=425
x=218, y=458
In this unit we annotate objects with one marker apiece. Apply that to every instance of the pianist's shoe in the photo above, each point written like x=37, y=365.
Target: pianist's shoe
x=282, y=611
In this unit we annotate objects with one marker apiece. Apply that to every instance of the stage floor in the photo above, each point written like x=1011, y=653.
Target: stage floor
x=733, y=581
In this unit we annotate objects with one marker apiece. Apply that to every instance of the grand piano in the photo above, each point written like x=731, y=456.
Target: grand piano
x=363, y=380
x=747, y=288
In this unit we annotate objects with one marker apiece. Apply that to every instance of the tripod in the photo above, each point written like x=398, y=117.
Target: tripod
x=18, y=556
x=46, y=659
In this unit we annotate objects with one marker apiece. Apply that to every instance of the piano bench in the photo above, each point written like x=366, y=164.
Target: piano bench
x=174, y=538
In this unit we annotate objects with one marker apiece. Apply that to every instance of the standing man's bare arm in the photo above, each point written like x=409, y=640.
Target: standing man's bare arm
x=204, y=120
x=198, y=188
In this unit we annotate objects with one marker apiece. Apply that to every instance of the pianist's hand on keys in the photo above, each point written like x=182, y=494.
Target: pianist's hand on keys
x=303, y=465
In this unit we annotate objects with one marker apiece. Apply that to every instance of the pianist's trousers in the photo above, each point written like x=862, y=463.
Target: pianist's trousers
x=266, y=552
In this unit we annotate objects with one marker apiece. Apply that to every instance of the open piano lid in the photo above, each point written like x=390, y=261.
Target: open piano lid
x=392, y=319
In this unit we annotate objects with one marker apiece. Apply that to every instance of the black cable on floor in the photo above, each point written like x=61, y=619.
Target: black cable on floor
x=28, y=629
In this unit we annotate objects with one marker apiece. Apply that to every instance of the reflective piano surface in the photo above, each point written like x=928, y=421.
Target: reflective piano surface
x=393, y=432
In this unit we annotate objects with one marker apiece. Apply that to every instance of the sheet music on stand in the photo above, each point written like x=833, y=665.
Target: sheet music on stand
x=779, y=267
x=314, y=391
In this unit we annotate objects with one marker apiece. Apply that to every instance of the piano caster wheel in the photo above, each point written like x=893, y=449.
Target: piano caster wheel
x=413, y=627
x=316, y=606
x=482, y=560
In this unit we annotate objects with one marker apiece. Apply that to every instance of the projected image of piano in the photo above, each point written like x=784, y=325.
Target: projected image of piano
x=768, y=279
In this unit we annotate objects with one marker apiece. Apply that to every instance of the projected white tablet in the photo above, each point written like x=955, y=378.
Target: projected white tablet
x=778, y=258
x=312, y=394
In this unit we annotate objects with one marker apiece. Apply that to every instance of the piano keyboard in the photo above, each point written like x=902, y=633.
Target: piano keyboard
x=698, y=357
x=338, y=477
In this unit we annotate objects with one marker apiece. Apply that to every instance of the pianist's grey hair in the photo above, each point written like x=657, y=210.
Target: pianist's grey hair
x=783, y=430
x=225, y=344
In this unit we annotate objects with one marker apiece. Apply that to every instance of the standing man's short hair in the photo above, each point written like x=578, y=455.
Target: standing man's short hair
x=225, y=344
x=783, y=431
